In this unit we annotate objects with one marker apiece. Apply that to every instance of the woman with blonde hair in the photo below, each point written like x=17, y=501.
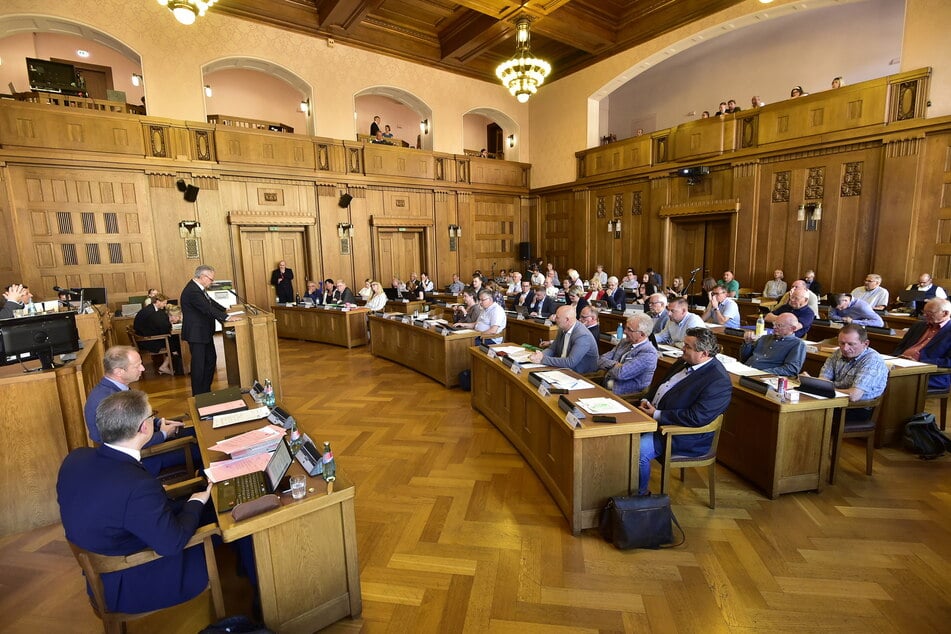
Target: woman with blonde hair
x=377, y=299
x=595, y=290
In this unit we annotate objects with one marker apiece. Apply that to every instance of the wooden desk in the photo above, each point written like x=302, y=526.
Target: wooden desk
x=36, y=442
x=250, y=347
x=885, y=344
x=324, y=325
x=528, y=331
x=779, y=447
x=405, y=306
x=440, y=357
x=904, y=395
x=305, y=551
x=581, y=468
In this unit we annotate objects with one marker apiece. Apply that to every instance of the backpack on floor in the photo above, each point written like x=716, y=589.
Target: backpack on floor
x=922, y=437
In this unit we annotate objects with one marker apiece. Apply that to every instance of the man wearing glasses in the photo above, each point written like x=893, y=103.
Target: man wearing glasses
x=657, y=309
x=199, y=313
x=491, y=321
x=589, y=318
x=872, y=293
x=721, y=311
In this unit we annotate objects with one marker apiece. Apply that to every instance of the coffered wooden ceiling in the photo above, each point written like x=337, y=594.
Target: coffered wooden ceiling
x=471, y=37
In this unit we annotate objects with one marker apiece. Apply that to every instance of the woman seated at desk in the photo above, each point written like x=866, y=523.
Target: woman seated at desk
x=377, y=300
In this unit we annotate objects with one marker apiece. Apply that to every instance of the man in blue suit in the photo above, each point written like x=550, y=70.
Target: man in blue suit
x=123, y=366
x=929, y=341
x=574, y=347
x=695, y=391
x=111, y=505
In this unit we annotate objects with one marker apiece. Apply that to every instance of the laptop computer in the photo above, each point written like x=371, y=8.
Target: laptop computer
x=816, y=387
x=251, y=486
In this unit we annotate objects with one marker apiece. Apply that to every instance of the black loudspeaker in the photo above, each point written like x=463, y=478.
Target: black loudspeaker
x=180, y=184
x=344, y=201
x=524, y=250
x=191, y=193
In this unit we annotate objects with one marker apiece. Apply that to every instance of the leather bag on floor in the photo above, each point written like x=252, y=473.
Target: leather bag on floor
x=639, y=522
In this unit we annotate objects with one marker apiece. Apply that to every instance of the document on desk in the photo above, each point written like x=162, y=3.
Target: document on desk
x=670, y=351
x=903, y=363
x=601, y=405
x=559, y=379
x=740, y=369
x=222, y=470
x=250, y=442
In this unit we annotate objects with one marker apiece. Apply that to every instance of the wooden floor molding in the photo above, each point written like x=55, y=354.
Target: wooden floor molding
x=456, y=534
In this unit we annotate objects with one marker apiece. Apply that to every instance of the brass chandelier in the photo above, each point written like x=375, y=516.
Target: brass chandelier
x=523, y=74
x=187, y=11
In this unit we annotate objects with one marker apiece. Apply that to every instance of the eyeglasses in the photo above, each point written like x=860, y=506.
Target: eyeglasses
x=655, y=303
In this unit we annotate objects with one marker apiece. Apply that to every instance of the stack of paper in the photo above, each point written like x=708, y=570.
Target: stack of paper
x=256, y=441
x=601, y=405
x=559, y=379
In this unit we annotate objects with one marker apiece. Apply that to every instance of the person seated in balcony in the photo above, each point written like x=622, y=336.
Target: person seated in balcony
x=797, y=91
x=378, y=138
x=721, y=110
x=731, y=107
x=387, y=134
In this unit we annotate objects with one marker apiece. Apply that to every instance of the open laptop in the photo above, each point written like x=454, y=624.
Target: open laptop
x=816, y=387
x=251, y=486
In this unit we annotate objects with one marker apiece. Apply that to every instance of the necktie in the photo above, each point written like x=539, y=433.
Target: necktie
x=564, y=350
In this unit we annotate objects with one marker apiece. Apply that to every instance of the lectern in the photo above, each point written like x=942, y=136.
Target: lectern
x=250, y=346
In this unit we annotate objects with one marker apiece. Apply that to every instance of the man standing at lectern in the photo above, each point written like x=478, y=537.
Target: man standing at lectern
x=199, y=313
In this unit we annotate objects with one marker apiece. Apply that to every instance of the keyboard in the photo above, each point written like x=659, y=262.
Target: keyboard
x=223, y=420
x=245, y=488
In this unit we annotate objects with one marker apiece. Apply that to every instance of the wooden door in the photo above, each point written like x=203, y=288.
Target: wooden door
x=399, y=253
x=494, y=143
x=699, y=243
x=261, y=250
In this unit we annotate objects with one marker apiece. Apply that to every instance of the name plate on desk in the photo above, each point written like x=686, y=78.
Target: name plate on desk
x=573, y=420
x=548, y=322
x=516, y=369
x=407, y=320
x=544, y=389
x=491, y=354
x=520, y=317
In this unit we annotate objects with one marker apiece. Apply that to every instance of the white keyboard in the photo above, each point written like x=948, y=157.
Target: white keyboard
x=243, y=416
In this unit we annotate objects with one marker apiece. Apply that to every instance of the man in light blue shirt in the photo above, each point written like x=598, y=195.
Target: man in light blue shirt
x=856, y=369
x=722, y=311
x=852, y=311
x=680, y=321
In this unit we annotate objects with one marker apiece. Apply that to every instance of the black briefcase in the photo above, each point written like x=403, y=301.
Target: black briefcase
x=639, y=522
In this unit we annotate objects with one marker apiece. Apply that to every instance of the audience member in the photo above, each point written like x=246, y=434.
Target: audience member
x=378, y=139
x=575, y=278
x=680, y=321
x=343, y=295
x=615, y=295
x=600, y=274
x=312, y=293
x=425, y=283
x=553, y=272
x=595, y=292
x=731, y=107
x=282, y=279
x=721, y=310
x=515, y=286
x=929, y=341
x=927, y=286
x=811, y=299
x=387, y=133
x=366, y=292
x=730, y=284
x=377, y=300
x=676, y=288
x=631, y=364
x=798, y=305
x=657, y=310
x=573, y=348
x=589, y=319
x=779, y=353
x=656, y=278
x=705, y=114
x=396, y=283
x=456, y=286
x=466, y=315
x=524, y=298
x=375, y=126
x=492, y=321
x=630, y=281
x=837, y=82
x=852, y=311
x=695, y=391
x=152, y=321
x=856, y=369
x=873, y=293
x=796, y=92
x=776, y=287
x=756, y=103
x=721, y=110
x=812, y=284
x=541, y=305
x=538, y=278
x=550, y=288
x=575, y=298
x=18, y=297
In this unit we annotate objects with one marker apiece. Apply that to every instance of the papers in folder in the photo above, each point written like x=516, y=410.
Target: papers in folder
x=251, y=442
x=670, y=351
x=559, y=379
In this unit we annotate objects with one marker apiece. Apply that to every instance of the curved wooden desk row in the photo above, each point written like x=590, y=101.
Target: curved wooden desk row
x=323, y=325
x=581, y=468
x=305, y=551
x=779, y=447
x=43, y=421
x=440, y=357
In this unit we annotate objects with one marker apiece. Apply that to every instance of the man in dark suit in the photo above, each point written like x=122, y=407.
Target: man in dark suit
x=110, y=504
x=695, y=391
x=343, y=295
x=541, y=305
x=199, y=313
x=151, y=321
x=929, y=341
x=122, y=366
x=574, y=347
x=282, y=279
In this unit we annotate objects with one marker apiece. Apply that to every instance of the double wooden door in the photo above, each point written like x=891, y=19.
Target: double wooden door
x=704, y=243
x=399, y=253
x=261, y=250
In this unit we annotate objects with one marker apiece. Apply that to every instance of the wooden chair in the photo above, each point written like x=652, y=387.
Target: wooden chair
x=156, y=357
x=95, y=565
x=634, y=398
x=709, y=459
x=942, y=396
x=858, y=429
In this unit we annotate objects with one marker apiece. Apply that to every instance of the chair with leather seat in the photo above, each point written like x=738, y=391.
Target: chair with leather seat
x=95, y=565
x=709, y=459
x=156, y=357
x=855, y=429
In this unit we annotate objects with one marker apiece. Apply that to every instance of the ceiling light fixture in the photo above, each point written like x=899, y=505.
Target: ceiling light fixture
x=187, y=11
x=523, y=74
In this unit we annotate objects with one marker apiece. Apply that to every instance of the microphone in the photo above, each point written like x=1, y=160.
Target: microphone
x=695, y=270
x=71, y=291
x=251, y=308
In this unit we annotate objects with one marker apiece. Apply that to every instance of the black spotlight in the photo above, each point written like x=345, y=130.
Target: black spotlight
x=191, y=193
x=344, y=200
x=180, y=184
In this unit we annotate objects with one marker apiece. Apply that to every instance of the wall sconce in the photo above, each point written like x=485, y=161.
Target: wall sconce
x=207, y=90
x=424, y=126
x=189, y=229
x=305, y=106
x=344, y=230
x=614, y=226
x=455, y=232
x=811, y=214
x=511, y=140
x=137, y=79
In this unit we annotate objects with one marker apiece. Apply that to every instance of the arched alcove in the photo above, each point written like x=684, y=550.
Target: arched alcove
x=406, y=113
x=507, y=130
x=281, y=103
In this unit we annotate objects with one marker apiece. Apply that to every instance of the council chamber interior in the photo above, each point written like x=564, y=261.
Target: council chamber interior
x=268, y=128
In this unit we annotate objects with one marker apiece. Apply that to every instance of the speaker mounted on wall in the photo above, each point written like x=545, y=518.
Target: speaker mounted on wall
x=180, y=184
x=344, y=201
x=191, y=193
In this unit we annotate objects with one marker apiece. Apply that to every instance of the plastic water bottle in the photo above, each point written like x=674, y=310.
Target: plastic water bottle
x=620, y=332
x=269, y=394
x=297, y=299
x=329, y=464
x=760, y=326
x=296, y=440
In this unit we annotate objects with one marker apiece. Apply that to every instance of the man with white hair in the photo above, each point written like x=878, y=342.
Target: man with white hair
x=872, y=293
x=631, y=364
x=657, y=310
x=812, y=300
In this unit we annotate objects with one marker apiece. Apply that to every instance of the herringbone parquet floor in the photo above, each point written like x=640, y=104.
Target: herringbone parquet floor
x=456, y=534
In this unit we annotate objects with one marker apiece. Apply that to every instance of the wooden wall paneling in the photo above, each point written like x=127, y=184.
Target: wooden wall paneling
x=933, y=232
x=464, y=206
x=275, y=149
x=445, y=262
x=10, y=255
x=745, y=224
x=361, y=244
x=579, y=234
x=659, y=254
x=555, y=211
x=906, y=225
x=333, y=264
x=496, y=220
x=34, y=126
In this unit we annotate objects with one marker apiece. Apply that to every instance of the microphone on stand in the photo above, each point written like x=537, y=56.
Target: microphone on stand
x=695, y=270
x=251, y=308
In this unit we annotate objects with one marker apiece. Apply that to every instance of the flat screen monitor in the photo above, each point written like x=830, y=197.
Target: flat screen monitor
x=94, y=295
x=48, y=76
x=38, y=337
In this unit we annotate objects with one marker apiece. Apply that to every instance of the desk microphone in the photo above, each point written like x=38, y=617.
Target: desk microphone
x=695, y=270
x=71, y=291
x=251, y=308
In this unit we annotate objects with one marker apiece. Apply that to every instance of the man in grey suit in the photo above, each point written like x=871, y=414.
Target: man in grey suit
x=574, y=347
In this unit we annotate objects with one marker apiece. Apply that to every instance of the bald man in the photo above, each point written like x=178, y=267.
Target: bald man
x=780, y=353
x=574, y=348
